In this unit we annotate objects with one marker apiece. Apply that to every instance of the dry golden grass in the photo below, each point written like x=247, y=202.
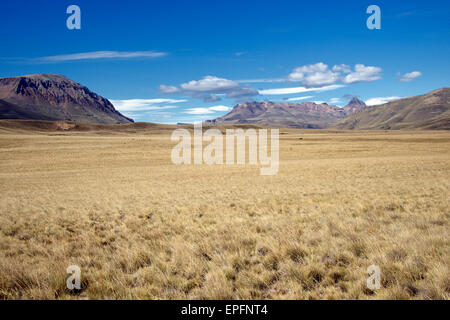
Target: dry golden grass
x=141, y=227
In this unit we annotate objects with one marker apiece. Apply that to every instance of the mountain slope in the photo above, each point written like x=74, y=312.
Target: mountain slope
x=54, y=97
x=294, y=115
x=12, y=111
x=429, y=111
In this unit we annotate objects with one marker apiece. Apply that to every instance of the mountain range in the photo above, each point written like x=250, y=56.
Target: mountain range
x=54, y=97
x=428, y=111
x=306, y=115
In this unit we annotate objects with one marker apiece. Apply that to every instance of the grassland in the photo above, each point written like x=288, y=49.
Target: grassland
x=140, y=227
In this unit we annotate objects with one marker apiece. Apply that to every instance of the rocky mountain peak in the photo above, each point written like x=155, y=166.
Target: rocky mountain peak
x=356, y=101
x=57, y=97
x=354, y=106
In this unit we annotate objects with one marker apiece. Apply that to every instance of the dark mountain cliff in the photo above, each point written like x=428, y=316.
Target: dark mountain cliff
x=54, y=97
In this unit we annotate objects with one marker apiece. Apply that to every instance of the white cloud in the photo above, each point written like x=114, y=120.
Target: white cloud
x=280, y=91
x=299, y=73
x=319, y=74
x=335, y=100
x=319, y=102
x=168, y=89
x=144, y=104
x=102, y=55
x=329, y=88
x=300, y=98
x=342, y=68
x=208, y=110
x=219, y=108
x=314, y=75
x=209, y=84
x=407, y=77
x=199, y=111
x=380, y=100
x=321, y=78
x=210, y=87
x=363, y=73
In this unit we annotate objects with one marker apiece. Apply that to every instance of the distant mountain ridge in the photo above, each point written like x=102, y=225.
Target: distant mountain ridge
x=57, y=98
x=428, y=111
x=54, y=97
x=295, y=115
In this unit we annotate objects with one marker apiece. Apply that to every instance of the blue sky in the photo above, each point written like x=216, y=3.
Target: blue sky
x=185, y=61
